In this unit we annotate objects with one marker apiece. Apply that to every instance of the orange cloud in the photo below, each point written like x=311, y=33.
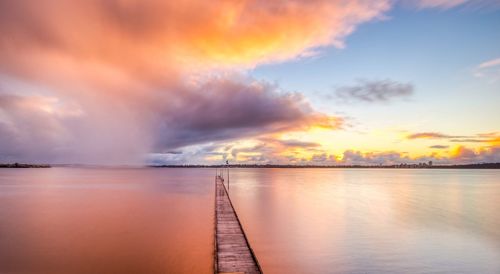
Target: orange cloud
x=158, y=37
x=427, y=135
x=462, y=154
x=152, y=75
x=272, y=149
x=491, y=138
x=141, y=68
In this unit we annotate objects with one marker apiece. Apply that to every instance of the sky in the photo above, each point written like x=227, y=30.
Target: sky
x=249, y=81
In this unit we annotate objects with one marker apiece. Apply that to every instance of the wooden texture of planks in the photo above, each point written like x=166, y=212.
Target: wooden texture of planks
x=233, y=253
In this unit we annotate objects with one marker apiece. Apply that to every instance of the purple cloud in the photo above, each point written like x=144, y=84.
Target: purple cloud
x=374, y=91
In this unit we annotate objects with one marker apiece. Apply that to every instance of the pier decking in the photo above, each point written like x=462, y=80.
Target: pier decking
x=233, y=253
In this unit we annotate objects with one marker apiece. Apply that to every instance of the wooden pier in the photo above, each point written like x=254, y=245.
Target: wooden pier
x=233, y=253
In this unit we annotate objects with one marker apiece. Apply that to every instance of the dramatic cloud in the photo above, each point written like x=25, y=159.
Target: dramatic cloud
x=214, y=110
x=152, y=76
x=113, y=81
x=225, y=109
x=374, y=91
x=153, y=34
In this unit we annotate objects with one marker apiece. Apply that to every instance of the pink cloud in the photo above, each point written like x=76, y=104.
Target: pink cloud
x=142, y=72
x=488, y=69
x=490, y=63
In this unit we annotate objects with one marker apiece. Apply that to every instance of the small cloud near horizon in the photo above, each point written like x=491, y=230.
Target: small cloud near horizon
x=439, y=146
x=428, y=135
x=490, y=137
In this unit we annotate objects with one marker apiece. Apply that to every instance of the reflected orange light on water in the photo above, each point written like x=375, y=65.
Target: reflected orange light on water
x=70, y=220
x=105, y=221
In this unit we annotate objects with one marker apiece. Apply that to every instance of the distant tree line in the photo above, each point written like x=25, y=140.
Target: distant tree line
x=18, y=165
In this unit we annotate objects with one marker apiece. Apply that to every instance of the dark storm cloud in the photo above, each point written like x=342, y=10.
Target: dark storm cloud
x=224, y=109
x=35, y=128
x=374, y=91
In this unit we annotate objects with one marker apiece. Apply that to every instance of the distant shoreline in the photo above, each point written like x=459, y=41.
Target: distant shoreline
x=412, y=166
x=465, y=166
x=18, y=165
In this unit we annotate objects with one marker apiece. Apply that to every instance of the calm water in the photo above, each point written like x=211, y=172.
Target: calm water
x=371, y=221
x=69, y=220
x=65, y=220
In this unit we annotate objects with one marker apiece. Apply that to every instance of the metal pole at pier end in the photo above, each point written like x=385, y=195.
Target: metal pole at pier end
x=227, y=166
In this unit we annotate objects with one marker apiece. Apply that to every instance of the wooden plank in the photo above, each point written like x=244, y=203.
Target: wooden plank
x=232, y=249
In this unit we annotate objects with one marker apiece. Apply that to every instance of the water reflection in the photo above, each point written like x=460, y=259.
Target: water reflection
x=67, y=220
x=106, y=221
x=371, y=221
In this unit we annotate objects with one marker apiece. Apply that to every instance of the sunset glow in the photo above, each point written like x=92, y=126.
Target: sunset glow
x=296, y=82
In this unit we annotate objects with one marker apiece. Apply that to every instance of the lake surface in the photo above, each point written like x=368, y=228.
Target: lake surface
x=75, y=220
x=72, y=220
